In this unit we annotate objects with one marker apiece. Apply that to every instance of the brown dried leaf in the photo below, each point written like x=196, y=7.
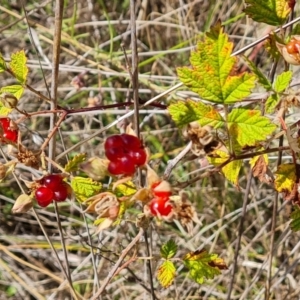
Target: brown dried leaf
x=22, y=204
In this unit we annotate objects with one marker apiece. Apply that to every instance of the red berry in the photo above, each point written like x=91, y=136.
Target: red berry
x=114, y=153
x=52, y=181
x=161, y=189
x=127, y=164
x=8, y=134
x=293, y=47
x=43, y=196
x=114, y=141
x=115, y=167
x=160, y=206
x=138, y=157
x=61, y=192
x=131, y=142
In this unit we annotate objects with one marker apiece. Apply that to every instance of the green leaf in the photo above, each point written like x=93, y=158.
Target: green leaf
x=127, y=188
x=74, y=163
x=203, y=265
x=4, y=111
x=295, y=216
x=282, y=81
x=185, y=112
x=166, y=273
x=212, y=65
x=85, y=188
x=271, y=103
x=285, y=178
x=16, y=90
x=18, y=66
x=247, y=127
x=262, y=79
x=3, y=66
x=168, y=250
x=272, y=12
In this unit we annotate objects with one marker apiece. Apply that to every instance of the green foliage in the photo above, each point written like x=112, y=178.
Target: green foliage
x=282, y=81
x=272, y=12
x=247, y=127
x=212, y=65
x=18, y=66
x=85, y=188
x=203, y=265
x=184, y=112
x=17, y=90
x=285, y=178
x=295, y=216
x=168, y=250
x=73, y=164
x=3, y=66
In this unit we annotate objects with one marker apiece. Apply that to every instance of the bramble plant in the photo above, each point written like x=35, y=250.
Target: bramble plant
x=223, y=126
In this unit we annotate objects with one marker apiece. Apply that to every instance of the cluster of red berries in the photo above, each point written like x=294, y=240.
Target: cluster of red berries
x=52, y=188
x=8, y=134
x=160, y=205
x=125, y=152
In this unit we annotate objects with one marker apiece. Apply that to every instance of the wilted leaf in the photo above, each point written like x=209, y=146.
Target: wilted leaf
x=22, y=204
x=272, y=12
x=185, y=112
x=166, y=273
x=95, y=167
x=259, y=165
x=285, y=178
x=18, y=66
x=168, y=250
x=202, y=265
x=73, y=164
x=85, y=187
x=212, y=67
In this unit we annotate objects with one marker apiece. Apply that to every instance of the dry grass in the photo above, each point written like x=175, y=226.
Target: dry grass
x=92, y=34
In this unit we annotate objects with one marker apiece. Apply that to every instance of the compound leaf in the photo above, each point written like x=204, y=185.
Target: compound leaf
x=168, y=250
x=85, y=188
x=285, y=178
x=272, y=12
x=211, y=73
x=166, y=273
x=247, y=127
x=18, y=66
x=202, y=265
x=73, y=164
x=185, y=112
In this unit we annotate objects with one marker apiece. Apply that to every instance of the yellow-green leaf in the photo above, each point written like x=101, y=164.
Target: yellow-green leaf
x=231, y=170
x=4, y=111
x=125, y=189
x=247, y=127
x=203, y=265
x=271, y=103
x=166, y=273
x=211, y=73
x=3, y=66
x=18, y=66
x=282, y=81
x=85, y=188
x=74, y=163
x=17, y=90
x=272, y=12
x=285, y=178
x=185, y=112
